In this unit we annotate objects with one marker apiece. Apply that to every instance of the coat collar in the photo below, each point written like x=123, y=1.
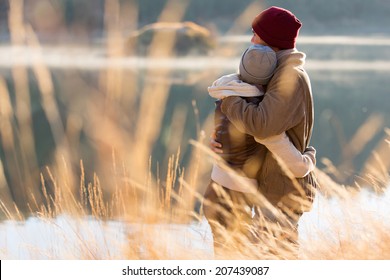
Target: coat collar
x=291, y=54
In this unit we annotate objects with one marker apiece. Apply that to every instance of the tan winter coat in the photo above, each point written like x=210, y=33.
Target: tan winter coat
x=287, y=106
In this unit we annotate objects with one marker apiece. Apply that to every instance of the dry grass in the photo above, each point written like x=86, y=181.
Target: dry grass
x=122, y=119
x=351, y=224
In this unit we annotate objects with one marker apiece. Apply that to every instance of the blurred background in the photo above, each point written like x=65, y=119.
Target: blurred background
x=108, y=93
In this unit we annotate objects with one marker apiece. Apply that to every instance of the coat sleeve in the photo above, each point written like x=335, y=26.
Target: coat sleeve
x=281, y=109
x=287, y=154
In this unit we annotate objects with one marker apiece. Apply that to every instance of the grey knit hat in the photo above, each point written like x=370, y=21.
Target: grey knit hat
x=257, y=64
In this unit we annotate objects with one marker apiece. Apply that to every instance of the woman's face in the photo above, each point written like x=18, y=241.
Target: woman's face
x=256, y=40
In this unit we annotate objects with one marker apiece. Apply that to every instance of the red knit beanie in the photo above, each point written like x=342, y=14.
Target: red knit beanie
x=277, y=27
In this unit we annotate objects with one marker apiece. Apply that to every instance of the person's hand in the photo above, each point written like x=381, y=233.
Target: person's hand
x=214, y=145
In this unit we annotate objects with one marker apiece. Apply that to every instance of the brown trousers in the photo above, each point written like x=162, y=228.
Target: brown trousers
x=236, y=218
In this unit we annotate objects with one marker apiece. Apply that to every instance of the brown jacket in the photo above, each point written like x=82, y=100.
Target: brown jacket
x=287, y=106
x=239, y=148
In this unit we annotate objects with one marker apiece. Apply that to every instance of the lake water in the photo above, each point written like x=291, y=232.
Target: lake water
x=351, y=87
x=349, y=75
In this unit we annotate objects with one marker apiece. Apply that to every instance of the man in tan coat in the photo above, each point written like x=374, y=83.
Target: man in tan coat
x=286, y=107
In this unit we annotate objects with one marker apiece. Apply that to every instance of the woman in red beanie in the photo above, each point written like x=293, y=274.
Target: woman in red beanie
x=287, y=107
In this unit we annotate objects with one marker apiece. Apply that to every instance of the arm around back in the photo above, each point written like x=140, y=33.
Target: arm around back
x=287, y=154
x=281, y=109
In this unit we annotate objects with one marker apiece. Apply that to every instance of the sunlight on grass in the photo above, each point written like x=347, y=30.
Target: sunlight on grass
x=102, y=195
